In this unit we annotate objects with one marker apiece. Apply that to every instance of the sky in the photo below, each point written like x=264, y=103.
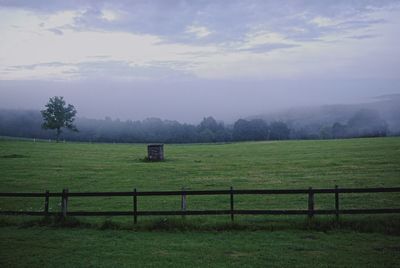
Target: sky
x=184, y=60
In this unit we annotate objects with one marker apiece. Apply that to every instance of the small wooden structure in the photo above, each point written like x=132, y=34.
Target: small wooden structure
x=155, y=152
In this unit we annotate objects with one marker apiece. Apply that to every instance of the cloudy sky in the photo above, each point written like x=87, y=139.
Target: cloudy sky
x=188, y=59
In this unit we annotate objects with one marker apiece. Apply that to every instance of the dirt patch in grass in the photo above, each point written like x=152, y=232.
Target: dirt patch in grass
x=14, y=156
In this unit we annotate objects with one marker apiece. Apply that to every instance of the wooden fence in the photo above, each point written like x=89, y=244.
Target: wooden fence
x=65, y=196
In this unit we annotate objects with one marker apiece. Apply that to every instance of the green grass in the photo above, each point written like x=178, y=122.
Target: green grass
x=27, y=166
x=38, y=247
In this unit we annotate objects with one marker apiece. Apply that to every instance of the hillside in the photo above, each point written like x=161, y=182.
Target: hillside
x=387, y=106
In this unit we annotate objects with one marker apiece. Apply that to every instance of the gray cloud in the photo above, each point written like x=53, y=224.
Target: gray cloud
x=34, y=66
x=56, y=31
x=121, y=69
x=268, y=47
x=230, y=20
x=364, y=36
x=115, y=69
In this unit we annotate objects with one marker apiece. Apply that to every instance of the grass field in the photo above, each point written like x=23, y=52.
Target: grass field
x=28, y=166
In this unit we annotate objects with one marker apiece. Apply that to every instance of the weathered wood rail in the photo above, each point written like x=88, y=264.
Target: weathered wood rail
x=65, y=195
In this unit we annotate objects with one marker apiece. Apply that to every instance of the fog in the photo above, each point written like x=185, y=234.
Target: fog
x=375, y=119
x=190, y=101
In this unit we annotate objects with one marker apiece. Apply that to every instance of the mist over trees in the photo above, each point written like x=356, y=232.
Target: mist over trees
x=361, y=123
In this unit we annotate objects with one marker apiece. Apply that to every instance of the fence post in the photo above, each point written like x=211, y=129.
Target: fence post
x=134, y=206
x=310, y=203
x=337, y=202
x=232, y=215
x=46, y=203
x=64, y=203
x=183, y=202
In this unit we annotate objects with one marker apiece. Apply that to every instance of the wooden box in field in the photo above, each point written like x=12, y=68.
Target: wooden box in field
x=155, y=152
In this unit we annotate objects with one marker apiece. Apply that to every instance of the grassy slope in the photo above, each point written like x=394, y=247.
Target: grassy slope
x=291, y=164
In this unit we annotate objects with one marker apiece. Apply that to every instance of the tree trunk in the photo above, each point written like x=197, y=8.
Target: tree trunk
x=58, y=134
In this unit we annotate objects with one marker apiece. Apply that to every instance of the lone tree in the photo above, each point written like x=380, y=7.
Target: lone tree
x=58, y=115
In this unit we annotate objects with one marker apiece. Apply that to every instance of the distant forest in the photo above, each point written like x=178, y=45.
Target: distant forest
x=361, y=123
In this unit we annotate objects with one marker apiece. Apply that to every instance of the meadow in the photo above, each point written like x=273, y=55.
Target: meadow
x=28, y=166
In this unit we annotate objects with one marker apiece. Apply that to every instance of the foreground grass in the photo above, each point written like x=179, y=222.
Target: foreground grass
x=43, y=247
x=201, y=241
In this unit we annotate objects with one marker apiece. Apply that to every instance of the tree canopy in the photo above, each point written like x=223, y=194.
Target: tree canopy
x=58, y=115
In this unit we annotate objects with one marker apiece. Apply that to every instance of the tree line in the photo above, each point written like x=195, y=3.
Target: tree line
x=364, y=123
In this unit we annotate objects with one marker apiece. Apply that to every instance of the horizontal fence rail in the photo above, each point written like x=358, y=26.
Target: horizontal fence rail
x=65, y=195
x=211, y=192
